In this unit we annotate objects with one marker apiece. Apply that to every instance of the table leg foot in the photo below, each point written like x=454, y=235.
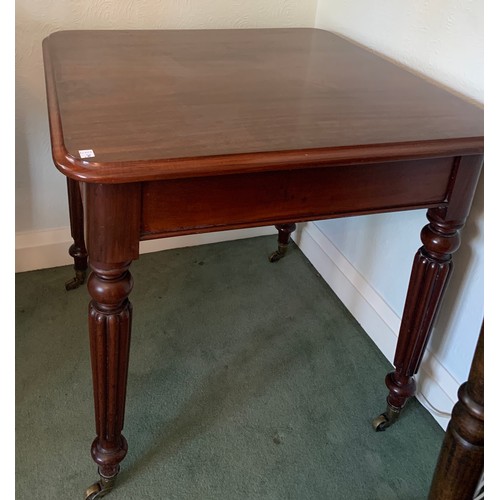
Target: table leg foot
x=278, y=254
x=284, y=232
x=401, y=389
x=100, y=488
x=386, y=419
x=76, y=281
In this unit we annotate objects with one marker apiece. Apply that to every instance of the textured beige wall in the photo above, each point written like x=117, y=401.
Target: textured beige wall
x=40, y=189
x=442, y=39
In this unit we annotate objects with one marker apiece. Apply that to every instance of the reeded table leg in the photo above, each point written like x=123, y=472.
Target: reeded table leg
x=431, y=270
x=430, y=273
x=113, y=223
x=110, y=315
x=77, y=250
x=284, y=232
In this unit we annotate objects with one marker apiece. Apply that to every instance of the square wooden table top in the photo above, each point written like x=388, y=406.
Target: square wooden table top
x=161, y=104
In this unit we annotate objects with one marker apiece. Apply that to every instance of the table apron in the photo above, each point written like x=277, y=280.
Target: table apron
x=196, y=205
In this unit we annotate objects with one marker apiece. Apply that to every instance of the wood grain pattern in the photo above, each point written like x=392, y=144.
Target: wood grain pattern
x=112, y=221
x=183, y=206
x=164, y=104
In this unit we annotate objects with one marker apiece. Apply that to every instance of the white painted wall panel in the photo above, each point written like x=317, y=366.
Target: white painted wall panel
x=443, y=41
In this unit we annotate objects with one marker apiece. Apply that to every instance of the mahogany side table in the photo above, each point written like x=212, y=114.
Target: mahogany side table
x=165, y=132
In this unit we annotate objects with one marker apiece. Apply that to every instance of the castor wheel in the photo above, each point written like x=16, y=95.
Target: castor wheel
x=380, y=423
x=284, y=232
x=101, y=488
x=278, y=254
x=275, y=256
x=386, y=419
x=75, y=282
x=92, y=491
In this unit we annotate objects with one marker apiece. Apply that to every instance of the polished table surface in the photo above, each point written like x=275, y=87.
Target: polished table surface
x=165, y=132
x=165, y=104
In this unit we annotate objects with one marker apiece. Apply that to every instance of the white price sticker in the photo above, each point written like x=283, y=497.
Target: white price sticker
x=86, y=153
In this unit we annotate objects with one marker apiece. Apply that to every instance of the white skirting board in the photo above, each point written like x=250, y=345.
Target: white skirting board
x=42, y=249
x=49, y=248
x=437, y=389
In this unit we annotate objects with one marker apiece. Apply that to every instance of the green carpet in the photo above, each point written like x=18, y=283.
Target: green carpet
x=247, y=380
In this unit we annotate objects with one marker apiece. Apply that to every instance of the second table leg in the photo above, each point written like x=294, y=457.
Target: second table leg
x=431, y=270
x=284, y=233
x=77, y=250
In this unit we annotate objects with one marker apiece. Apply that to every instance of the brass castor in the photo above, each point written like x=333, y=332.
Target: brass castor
x=75, y=282
x=386, y=419
x=275, y=256
x=278, y=254
x=101, y=488
x=380, y=423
